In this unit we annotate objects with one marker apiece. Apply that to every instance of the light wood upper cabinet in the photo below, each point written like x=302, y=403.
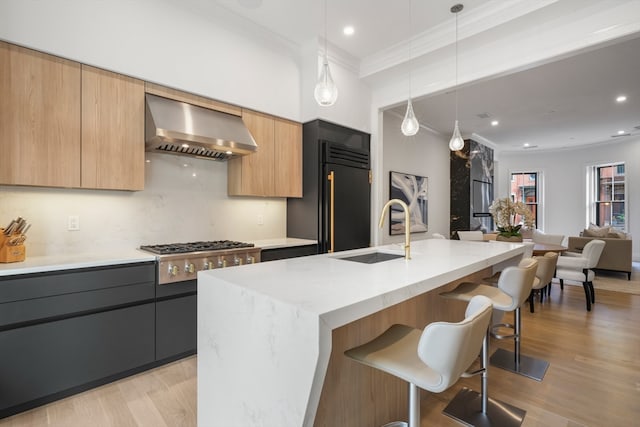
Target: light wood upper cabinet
x=275, y=170
x=288, y=158
x=39, y=118
x=112, y=130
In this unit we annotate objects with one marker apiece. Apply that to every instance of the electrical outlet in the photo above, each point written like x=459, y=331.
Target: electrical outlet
x=260, y=219
x=73, y=223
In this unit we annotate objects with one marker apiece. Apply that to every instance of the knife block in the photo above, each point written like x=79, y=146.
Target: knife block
x=11, y=253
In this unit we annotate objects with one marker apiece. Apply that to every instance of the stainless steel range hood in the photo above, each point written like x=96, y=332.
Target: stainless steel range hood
x=178, y=128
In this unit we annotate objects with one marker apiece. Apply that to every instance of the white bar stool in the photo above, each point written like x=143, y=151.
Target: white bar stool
x=434, y=358
x=514, y=286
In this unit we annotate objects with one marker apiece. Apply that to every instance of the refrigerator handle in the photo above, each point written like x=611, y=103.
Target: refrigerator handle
x=331, y=178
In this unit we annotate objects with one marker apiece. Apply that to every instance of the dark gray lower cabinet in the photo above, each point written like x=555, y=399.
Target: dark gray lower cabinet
x=48, y=358
x=176, y=324
x=67, y=331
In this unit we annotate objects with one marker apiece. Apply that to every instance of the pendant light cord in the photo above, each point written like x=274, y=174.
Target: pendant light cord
x=456, y=66
x=410, y=44
x=326, y=56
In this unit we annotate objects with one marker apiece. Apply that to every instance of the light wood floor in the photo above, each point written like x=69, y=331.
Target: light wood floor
x=593, y=380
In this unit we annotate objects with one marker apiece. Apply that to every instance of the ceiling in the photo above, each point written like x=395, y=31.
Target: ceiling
x=560, y=104
x=564, y=103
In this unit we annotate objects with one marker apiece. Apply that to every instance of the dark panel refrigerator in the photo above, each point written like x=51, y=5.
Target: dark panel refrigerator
x=335, y=208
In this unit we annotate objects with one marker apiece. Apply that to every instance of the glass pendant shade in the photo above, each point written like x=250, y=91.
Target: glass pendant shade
x=326, y=92
x=456, y=143
x=410, y=125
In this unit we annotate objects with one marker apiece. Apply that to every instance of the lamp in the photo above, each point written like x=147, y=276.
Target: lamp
x=410, y=125
x=456, y=143
x=326, y=91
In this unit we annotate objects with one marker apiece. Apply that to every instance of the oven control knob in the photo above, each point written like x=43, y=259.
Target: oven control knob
x=237, y=260
x=222, y=262
x=173, y=270
x=189, y=268
x=207, y=265
x=251, y=259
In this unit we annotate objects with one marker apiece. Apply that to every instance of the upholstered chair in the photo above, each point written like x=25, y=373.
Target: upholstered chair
x=544, y=273
x=579, y=268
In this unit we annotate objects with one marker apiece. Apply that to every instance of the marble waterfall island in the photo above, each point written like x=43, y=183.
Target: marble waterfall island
x=271, y=335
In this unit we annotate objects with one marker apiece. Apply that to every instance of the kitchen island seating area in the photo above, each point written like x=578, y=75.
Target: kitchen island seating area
x=283, y=361
x=432, y=359
x=514, y=287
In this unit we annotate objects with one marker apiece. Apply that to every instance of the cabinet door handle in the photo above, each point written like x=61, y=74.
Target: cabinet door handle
x=331, y=179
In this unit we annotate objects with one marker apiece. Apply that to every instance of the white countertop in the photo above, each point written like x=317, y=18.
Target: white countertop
x=38, y=264
x=264, y=330
x=285, y=242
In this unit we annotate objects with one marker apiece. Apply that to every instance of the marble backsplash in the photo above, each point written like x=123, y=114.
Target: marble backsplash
x=184, y=199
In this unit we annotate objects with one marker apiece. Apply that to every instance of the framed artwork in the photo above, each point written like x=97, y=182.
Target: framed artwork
x=412, y=190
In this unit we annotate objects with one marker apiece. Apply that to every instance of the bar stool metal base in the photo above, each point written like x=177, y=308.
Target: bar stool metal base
x=466, y=408
x=529, y=367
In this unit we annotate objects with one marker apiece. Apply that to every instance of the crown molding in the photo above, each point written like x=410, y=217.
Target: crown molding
x=339, y=56
x=472, y=23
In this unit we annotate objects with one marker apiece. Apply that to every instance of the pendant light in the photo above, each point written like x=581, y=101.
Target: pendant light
x=326, y=91
x=456, y=143
x=410, y=125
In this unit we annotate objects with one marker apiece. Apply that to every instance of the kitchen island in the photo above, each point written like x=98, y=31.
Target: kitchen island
x=271, y=335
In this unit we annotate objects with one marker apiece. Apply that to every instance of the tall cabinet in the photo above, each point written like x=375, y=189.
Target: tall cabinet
x=471, y=188
x=335, y=208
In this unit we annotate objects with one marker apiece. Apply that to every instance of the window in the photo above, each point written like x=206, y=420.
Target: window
x=525, y=187
x=608, y=196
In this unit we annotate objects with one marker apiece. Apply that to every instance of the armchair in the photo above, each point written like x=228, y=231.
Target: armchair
x=579, y=267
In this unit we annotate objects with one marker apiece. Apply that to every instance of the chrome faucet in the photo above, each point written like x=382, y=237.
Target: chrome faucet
x=407, y=224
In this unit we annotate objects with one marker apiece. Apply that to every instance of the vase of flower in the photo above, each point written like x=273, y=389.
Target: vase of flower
x=505, y=213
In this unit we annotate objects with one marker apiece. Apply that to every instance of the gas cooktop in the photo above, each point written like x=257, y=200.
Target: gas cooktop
x=183, y=248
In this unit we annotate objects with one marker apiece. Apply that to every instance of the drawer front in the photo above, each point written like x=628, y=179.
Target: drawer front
x=40, y=285
x=41, y=309
x=44, y=359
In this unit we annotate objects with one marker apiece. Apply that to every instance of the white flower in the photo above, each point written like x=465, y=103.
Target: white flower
x=504, y=212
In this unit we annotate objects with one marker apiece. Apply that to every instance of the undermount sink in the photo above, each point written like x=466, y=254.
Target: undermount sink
x=372, y=257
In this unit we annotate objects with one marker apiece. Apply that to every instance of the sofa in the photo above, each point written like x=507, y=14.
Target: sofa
x=616, y=255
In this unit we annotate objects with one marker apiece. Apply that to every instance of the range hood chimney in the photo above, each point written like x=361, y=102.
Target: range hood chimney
x=178, y=128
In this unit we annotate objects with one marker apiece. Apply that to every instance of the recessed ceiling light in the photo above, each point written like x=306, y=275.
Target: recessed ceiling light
x=620, y=132
x=348, y=30
x=621, y=98
x=148, y=161
x=495, y=123
x=526, y=144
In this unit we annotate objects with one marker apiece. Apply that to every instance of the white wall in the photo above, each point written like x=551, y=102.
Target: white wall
x=425, y=154
x=564, y=188
x=163, y=42
x=175, y=206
